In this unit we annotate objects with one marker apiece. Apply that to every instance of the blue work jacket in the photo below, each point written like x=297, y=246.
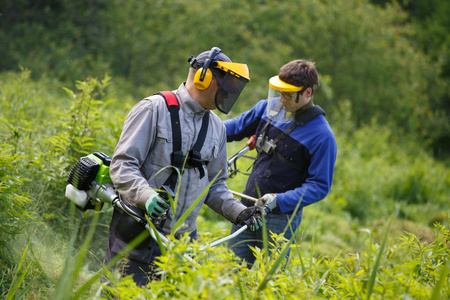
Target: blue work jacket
x=301, y=167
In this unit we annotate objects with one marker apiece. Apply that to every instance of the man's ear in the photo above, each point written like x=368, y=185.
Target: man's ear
x=308, y=92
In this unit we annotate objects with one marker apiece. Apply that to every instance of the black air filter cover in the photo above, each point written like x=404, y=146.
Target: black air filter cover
x=83, y=173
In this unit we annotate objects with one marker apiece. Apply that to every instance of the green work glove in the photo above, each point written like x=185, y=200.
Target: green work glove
x=269, y=200
x=250, y=216
x=156, y=206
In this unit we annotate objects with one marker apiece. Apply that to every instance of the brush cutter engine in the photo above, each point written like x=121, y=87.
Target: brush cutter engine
x=90, y=184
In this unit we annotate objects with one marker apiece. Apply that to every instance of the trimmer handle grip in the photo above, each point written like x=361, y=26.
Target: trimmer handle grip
x=251, y=142
x=167, y=191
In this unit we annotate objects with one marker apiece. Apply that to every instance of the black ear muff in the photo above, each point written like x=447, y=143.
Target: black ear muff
x=207, y=78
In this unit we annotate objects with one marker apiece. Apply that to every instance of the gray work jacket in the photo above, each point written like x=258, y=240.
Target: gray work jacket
x=144, y=150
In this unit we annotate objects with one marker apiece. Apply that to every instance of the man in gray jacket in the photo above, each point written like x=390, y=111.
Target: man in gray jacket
x=141, y=162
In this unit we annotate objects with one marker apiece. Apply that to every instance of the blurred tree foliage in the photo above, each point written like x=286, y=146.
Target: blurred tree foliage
x=389, y=60
x=432, y=37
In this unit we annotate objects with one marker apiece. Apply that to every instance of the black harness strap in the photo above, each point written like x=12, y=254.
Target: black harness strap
x=172, y=105
x=309, y=115
x=302, y=120
x=194, y=159
x=177, y=157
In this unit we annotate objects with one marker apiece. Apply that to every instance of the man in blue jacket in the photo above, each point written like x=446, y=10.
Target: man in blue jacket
x=296, y=153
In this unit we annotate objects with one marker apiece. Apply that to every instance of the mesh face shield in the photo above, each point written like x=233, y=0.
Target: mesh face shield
x=232, y=78
x=229, y=90
x=231, y=85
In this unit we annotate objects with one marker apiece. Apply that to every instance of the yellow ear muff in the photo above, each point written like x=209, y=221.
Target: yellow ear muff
x=202, y=85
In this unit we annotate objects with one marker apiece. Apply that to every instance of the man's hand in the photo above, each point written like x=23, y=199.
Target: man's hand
x=250, y=216
x=156, y=206
x=269, y=200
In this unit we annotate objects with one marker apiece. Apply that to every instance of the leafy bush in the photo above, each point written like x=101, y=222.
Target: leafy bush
x=13, y=203
x=14, y=200
x=378, y=172
x=45, y=136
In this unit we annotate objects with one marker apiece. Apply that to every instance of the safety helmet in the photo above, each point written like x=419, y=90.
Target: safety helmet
x=232, y=77
x=275, y=110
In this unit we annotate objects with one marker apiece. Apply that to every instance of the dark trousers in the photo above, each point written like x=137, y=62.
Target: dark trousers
x=138, y=262
x=142, y=273
x=275, y=223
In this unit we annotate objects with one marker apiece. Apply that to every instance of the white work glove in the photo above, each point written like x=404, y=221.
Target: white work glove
x=269, y=200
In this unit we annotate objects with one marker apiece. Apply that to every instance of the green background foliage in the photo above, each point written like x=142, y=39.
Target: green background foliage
x=389, y=60
x=71, y=70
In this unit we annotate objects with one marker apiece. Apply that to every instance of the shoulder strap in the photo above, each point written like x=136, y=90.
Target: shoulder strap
x=194, y=158
x=173, y=106
x=202, y=134
x=170, y=98
x=177, y=156
x=308, y=115
x=284, y=133
x=302, y=120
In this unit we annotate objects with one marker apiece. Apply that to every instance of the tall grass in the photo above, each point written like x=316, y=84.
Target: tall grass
x=376, y=173
x=17, y=281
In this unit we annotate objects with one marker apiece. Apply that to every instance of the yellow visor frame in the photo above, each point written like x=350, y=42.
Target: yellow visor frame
x=236, y=69
x=277, y=84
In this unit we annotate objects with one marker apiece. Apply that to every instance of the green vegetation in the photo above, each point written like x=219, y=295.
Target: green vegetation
x=67, y=85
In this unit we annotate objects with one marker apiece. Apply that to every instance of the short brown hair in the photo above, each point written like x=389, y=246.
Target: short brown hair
x=300, y=73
